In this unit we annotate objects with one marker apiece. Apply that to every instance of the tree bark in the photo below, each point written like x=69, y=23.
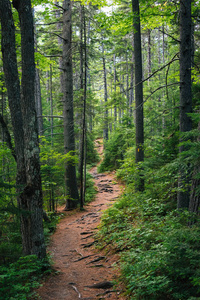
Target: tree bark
x=24, y=123
x=115, y=89
x=105, y=130
x=149, y=53
x=185, y=94
x=33, y=191
x=138, y=93
x=38, y=98
x=83, y=137
x=68, y=114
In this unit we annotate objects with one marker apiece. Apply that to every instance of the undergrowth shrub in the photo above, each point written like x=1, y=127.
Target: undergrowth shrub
x=19, y=278
x=119, y=141
x=91, y=190
x=160, y=254
x=170, y=269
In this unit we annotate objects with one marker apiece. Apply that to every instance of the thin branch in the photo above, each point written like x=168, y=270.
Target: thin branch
x=53, y=34
x=176, y=40
x=160, y=69
x=60, y=117
x=58, y=6
x=47, y=24
x=159, y=88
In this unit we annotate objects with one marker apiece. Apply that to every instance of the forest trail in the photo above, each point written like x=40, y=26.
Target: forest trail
x=80, y=266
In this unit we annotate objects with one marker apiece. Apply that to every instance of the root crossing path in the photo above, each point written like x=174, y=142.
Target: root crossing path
x=83, y=272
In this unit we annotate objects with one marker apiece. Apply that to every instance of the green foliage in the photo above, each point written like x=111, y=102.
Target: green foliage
x=115, y=147
x=90, y=188
x=169, y=269
x=91, y=152
x=160, y=253
x=53, y=169
x=19, y=278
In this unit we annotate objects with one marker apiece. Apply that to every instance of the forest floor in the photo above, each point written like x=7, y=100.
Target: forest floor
x=83, y=272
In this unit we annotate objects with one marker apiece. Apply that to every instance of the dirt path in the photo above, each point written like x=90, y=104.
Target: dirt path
x=81, y=268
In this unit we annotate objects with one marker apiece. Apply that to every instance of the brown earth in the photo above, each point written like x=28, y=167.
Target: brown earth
x=83, y=271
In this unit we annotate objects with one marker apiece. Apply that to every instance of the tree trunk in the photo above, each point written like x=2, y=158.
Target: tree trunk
x=115, y=75
x=68, y=114
x=138, y=93
x=33, y=189
x=185, y=94
x=105, y=131
x=38, y=98
x=24, y=123
x=149, y=53
x=131, y=97
x=83, y=138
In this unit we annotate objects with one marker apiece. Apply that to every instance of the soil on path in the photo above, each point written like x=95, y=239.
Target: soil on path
x=81, y=268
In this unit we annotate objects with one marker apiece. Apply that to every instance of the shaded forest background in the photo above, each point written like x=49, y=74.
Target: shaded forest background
x=155, y=233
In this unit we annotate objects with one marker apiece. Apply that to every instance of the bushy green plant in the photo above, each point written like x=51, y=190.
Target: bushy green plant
x=160, y=254
x=90, y=191
x=19, y=278
x=91, y=154
x=170, y=269
x=120, y=140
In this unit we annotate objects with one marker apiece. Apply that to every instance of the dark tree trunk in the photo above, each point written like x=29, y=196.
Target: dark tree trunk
x=83, y=137
x=68, y=114
x=33, y=191
x=105, y=130
x=138, y=93
x=185, y=94
x=115, y=76
x=24, y=123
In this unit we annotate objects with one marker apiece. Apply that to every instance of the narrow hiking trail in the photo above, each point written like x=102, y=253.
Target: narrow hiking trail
x=83, y=271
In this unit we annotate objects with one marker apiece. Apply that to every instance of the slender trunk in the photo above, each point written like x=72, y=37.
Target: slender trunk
x=127, y=83
x=138, y=93
x=185, y=94
x=149, y=54
x=83, y=150
x=68, y=110
x=131, y=98
x=38, y=98
x=51, y=105
x=80, y=114
x=115, y=106
x=105, y=131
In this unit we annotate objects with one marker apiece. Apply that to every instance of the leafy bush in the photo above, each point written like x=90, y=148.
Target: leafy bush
x=90, y=191
x=168, y=270
x=115, y=148
x=18, y=279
